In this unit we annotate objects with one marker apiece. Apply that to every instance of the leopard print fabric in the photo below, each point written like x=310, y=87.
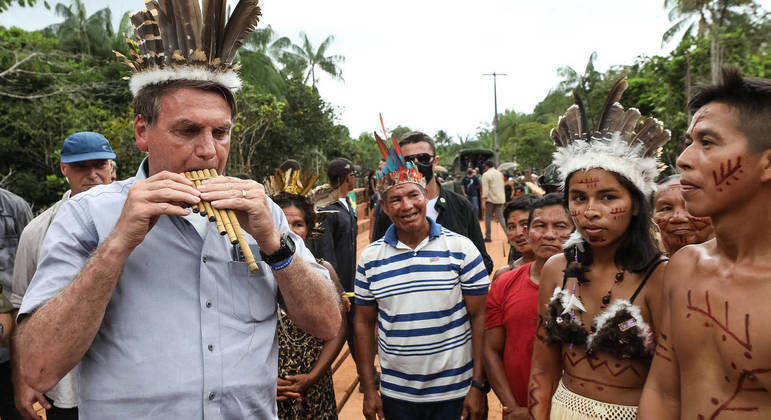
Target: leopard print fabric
x=297, y=353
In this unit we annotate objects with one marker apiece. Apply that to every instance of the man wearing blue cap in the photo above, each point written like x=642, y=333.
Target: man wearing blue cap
x=86, y=161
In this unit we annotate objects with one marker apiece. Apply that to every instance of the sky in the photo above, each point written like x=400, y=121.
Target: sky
x=421, y=62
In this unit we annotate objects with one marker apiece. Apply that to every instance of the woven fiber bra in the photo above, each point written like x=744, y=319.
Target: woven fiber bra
x=619, y=330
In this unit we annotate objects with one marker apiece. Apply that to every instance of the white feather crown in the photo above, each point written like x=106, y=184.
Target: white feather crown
x=621, y=143
x=175, y=42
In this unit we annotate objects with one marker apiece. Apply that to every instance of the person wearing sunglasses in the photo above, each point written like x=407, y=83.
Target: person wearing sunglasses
x=447, y=208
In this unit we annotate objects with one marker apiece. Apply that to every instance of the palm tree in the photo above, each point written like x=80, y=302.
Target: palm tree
x=81, y=32
x=583, y=82
x=707, y=16
x=267, y=42
x=303, y=60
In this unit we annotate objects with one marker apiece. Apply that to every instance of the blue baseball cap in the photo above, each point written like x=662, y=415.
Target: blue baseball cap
x=86, y=145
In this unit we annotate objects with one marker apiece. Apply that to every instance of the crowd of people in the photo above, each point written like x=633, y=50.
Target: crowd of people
x=119, y=301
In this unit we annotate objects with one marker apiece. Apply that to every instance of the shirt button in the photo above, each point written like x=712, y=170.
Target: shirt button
x=208, y=304
x=203, y=259
x=211, y=347
x=212, y=395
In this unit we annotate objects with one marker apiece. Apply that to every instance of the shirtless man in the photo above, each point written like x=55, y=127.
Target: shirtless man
x=678, y=227
x=713, y=358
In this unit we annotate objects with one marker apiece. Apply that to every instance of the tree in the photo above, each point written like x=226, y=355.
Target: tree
x=303, y=60
x=532, y=147
x=709, y=17
x=5, y=4
x=82, y=33
x=583, y=82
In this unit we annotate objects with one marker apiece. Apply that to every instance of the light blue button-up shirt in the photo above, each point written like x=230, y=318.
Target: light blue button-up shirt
x=188, y=333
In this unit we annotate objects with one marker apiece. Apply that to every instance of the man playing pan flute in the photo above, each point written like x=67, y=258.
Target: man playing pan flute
x=164, y=318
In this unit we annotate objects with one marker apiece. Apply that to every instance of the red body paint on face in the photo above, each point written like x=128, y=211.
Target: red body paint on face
x=589, y=182
x=727, y=173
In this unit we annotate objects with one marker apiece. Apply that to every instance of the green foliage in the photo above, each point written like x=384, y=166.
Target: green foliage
x=302, y=60
x=531, y=145
x=5, y=4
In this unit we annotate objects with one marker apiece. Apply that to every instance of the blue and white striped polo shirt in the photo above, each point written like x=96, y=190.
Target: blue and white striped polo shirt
x=424, y=333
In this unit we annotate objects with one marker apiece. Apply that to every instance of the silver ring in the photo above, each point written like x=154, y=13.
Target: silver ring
x=243, y=193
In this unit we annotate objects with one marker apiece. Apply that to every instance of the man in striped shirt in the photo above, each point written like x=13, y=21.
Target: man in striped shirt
x=425, y=286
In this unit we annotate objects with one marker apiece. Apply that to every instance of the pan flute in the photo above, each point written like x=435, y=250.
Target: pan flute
x=226, y=221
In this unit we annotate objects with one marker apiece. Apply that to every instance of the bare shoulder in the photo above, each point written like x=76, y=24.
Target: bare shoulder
x=551, y=274
x=683, y=268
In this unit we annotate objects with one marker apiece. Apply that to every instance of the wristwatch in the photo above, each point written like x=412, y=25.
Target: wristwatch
x=483, y=386
x=285, y=251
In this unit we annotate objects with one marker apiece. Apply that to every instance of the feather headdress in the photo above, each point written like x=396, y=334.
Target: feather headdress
x=175, y=42
x=291, y=185
x=396, y=170
x=291, y=181
x=621, y=142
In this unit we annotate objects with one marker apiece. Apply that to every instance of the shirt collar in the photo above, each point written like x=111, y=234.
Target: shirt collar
x=144, y=168
x=434, y=231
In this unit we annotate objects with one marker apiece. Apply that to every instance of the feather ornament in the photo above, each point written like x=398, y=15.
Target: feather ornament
x=175, y=41
x=621, y=143
x=242, y=22
x=613, y=96
x=396, y=169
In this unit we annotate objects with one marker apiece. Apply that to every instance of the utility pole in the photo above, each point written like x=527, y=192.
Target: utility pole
x=497, y=145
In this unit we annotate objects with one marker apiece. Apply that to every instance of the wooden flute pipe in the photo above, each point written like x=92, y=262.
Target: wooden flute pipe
x=213, y=214
x=226, y=220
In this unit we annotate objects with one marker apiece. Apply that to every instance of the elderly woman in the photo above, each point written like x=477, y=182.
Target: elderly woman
x=305, y=389
x=678, y=227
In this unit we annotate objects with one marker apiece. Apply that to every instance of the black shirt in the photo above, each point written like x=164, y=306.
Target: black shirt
x=455, y=213
x=338, y=242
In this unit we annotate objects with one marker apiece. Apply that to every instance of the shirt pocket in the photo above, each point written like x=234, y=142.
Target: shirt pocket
x=253, y=295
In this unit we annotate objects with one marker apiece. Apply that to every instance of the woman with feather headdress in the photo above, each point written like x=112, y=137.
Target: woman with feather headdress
x=595, y=330
x=305, y=389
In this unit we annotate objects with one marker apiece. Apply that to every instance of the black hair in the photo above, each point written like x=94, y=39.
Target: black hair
x=290, y=164
x=147, y=103
x=750, y=97
x=285, y=199
x=637, y=248
x=551, y=199
x=412, y=137
x=522, y=203
x=489, y=164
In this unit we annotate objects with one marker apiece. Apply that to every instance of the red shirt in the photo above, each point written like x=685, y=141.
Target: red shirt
x=513, y=303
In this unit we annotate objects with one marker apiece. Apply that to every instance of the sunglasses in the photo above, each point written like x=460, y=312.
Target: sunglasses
x=423, y=158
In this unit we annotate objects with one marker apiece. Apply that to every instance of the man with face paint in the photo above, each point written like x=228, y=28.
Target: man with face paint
x=678, y=227
x=447, y=208
x=713, y=355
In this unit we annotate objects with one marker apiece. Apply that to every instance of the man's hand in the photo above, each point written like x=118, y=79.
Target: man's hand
x=147, y=200
x=373, y=406
x=250, y=203
x=474, y=405
x=25, y=398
